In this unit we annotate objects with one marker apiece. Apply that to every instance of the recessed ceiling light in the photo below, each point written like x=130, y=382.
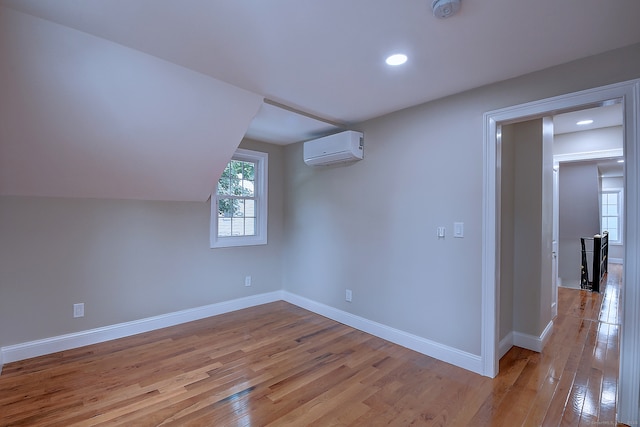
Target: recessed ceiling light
x=584, y=122
x=396, y=59
x=620, y=161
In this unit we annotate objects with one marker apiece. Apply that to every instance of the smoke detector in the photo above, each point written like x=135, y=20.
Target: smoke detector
x=445, y=8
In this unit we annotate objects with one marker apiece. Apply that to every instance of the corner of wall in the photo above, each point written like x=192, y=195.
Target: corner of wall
x=505, y=345
x=532, y=342
x=454, y=356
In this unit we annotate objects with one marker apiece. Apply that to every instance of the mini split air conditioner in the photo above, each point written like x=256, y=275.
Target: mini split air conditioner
x=341, y=147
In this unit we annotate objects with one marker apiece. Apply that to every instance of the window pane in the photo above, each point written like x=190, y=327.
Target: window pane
x=236, y=168
x=238, y=208
x=225, y=207
x=613, y=235
x=247, y=188
x=249, y=226
x=248, y=171
x=237, y=227
x=224, y=227
x=612, y=199
x=235, y=187
x=223, y=182
x=223, y=185
x=249, y=208
x=612, y=210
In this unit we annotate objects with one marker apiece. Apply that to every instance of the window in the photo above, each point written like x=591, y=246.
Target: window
x=239, y=205
x=611, y=217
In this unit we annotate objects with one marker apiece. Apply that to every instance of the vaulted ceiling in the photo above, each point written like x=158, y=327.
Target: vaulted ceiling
x=148, y=99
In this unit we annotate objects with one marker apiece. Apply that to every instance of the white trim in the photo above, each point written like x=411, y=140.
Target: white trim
x=616, y=260
x=588, y=155
x=261, y=191
x=41, y=347
x=490, y=247
x=427, y=347
x=532, y=342
x=629, y=382
x=629, y=93
x=505, y=345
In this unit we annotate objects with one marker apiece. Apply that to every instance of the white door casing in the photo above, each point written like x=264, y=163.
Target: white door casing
x=629, y=94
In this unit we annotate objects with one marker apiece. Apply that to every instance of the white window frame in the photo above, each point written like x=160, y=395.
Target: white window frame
x=620, y=194
x=260, y=190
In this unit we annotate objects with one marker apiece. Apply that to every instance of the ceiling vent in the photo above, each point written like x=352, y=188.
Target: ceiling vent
x=445, y=8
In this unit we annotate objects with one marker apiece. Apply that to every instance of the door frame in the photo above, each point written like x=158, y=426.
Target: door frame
x=629, y=94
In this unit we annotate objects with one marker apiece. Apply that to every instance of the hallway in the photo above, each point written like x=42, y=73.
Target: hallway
x=574, y=380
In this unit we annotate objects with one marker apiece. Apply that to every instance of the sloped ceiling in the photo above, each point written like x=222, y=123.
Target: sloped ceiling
x=82, y=116
x=149, y=98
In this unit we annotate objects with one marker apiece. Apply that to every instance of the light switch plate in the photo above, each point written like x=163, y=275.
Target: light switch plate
x=458, y=229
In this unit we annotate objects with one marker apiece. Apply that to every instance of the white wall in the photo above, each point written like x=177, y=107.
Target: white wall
x=530, y=204
x=579, y=216
x=371, y=226
x=131, y=125
x=573, y=143
x=125, y=260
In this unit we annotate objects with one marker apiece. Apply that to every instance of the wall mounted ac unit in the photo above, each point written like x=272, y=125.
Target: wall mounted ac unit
x=341, y=147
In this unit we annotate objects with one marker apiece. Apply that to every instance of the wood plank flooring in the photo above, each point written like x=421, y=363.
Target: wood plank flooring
x=278, y=365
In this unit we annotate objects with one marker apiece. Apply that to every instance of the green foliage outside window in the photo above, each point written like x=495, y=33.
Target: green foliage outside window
x=237, y=182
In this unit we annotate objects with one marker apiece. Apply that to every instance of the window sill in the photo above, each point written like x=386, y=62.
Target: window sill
x=231, y=242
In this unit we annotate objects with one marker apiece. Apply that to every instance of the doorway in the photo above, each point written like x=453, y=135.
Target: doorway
x=589, y=161
x=559, y=177
x=628, y=93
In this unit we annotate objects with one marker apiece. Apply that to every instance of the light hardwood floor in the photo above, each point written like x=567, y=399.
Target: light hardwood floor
x=278, y=364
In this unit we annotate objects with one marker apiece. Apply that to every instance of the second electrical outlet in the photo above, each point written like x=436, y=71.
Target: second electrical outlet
x=78, y=309
x=247, y=281
x=348, y=295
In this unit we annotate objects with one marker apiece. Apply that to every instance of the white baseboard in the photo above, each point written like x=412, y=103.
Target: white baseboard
x=41, y=347
x=505, y=345
x=433, y=349
x=532, y=342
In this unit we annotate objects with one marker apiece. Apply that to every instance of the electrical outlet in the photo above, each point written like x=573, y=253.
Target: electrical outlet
x=247, y=281
x=348, y=295
x=78, y=310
